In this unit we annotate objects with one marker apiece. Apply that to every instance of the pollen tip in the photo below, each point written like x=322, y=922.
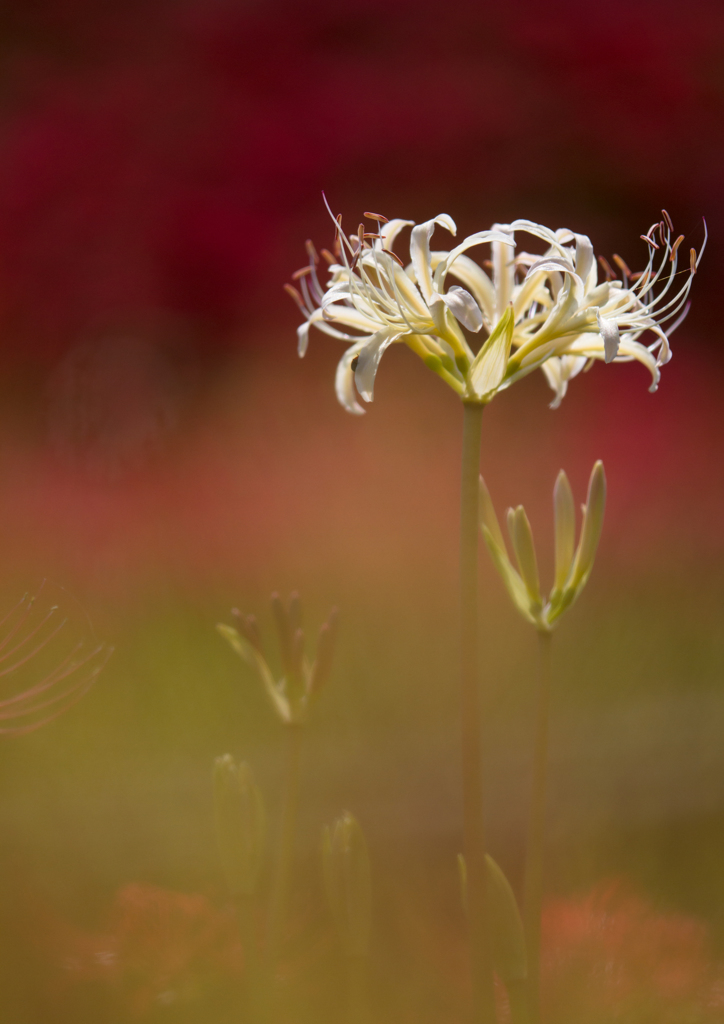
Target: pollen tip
x=646, y=238
x=394, y=257
x=377, y=217
x=674, y=248
x=692, y=260
x=667, y=218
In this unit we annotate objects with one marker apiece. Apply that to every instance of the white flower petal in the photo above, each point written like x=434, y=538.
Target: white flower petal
x=391, y=230
x=489, y=366
x=585, y=262
x=344, y=381
x=611, y=337
x=303, y=338
x=463, y=307
x=369, y=359
x=420, y=251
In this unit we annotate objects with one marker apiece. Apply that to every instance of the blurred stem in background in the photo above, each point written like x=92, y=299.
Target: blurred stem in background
x=348, y=885
x=241, y=837
x=285, y=852
x=472, y=734
x=533, y=877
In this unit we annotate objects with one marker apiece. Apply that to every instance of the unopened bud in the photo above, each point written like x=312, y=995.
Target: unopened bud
x=295, y=612
x=240, y=824
x=285, y=634
x=249, y=628
x=325, y=653
x=347, y=880
x=507, y=941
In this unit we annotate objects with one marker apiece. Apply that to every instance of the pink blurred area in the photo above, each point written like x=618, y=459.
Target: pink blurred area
x=160, y=167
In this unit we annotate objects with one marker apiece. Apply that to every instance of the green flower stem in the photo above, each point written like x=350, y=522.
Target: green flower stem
x=518, y=1002
x=280, y=887
x=356, y=968
x=533, y=883
x=247, y=931
x=472, y=740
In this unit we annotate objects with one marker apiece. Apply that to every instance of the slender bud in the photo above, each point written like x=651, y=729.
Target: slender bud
x=285, y=633
x=565, y=529
x=522, y=538
x=295, y=612
x=325, y=653
x=463, y=879
x=507, y=941
x=347, y=881
x=240, y=824
x=249, y=628
x=592, y=525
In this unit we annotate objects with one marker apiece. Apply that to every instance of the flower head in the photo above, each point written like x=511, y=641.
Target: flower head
x=572, y=564
x=302, y=680
x=548, y=311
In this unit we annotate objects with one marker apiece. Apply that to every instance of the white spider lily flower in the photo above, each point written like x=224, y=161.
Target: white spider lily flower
x=572, y=564
x=548, y=311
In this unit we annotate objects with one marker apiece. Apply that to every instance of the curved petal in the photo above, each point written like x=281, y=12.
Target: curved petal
x=585, y=263
x=391, y=230
x=303, y=339
x=344, y=381
x=475, y=280
x=611, y=338
x=479, y=238
x=463, y=307
x=369, y=359
x=420, y=250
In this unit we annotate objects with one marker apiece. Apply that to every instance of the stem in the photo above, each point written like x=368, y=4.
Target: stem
x=533, y=885
x=472, y=743
x=518, y=1002
x=280, y=889
x=356, y=968
x=247, y=931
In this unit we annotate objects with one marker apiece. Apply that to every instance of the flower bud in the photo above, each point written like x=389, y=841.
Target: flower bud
x=325, y=652
x=347, y=881
x=572, y=565
x=240, y=824
x=507, y=941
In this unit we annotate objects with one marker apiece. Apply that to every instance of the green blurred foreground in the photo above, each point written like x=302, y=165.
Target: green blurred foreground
x=112, y=901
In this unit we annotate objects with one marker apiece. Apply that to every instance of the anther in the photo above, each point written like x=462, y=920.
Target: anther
x=394, y=257
x=328, y=256
x=667, y=218
x=377, y=217
x=649, y=240
x=312, y=251
x=301, y=273
x=674, y=247
x=692, y=260
x=607, y=268
x=291, y=290
x=621, y=264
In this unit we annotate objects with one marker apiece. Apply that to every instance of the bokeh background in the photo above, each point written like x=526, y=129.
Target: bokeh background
x=164, y=455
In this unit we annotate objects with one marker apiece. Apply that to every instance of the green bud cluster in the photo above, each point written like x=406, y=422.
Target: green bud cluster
x=572, y=564
x=302, y=678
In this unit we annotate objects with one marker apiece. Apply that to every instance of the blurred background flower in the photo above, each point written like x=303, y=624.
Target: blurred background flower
x=164, y=454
